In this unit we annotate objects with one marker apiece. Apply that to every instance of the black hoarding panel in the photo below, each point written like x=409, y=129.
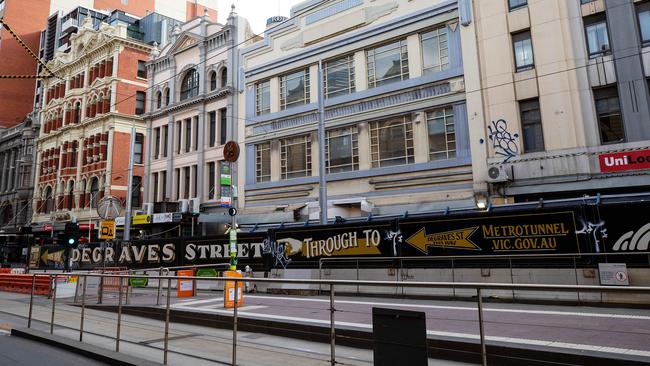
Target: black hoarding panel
x=622, y=228
x=210, y=250
x=521, y=233
x=400, y=337
x=303, y=247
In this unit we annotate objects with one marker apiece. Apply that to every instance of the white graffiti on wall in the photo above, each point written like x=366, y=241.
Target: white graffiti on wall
x=589, y=228
x=396, y=237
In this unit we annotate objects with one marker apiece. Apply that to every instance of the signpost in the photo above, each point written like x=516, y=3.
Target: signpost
x=231, y=154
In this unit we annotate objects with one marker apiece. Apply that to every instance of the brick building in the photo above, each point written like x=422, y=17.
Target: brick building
x=88, y=111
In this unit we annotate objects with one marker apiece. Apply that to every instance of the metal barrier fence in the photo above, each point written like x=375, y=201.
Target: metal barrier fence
x=479, y=288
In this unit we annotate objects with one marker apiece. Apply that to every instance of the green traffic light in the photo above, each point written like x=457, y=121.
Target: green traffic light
x=71, y=241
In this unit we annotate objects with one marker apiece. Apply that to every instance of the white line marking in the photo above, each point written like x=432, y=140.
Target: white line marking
x=4, y=332
x=196, y=302
x=469, y=308
x=536, y=342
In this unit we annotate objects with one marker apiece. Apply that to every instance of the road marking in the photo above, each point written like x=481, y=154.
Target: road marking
x=537, y=342
x=467, y=308
x=4, y=332
x=196, y=302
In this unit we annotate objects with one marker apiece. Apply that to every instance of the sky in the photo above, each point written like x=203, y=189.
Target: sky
x=256, y=11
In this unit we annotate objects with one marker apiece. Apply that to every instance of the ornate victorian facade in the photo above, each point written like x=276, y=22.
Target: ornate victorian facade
x=88, y=111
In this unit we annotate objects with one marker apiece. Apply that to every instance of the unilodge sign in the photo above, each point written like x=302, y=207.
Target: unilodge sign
x=631, y=160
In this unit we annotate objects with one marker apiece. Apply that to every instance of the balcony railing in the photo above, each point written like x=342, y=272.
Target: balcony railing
x=72, y=22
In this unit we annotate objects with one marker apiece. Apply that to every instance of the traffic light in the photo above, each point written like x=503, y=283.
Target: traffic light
x=71, y=234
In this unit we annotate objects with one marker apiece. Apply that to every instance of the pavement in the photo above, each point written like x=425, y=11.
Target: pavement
x=188, y=344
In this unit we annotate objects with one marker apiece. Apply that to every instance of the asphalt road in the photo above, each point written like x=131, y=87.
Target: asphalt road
x=16, y=351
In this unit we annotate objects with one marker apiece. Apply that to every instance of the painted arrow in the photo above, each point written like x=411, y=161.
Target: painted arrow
x=454, y=239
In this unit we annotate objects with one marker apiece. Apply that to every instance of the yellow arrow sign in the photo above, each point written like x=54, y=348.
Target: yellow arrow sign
x=56, y=257
x=455, y=239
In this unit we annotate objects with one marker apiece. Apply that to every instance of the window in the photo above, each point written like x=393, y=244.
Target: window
x=156, y=150
x=163, y=179
x=523, y=48
x=339, y=77
x=190, y=85
x=194, y=178
x=516, y=4
x=387, y=64
x=137, y=152
x=142, y=69
x=294, y=89
x=166, y=92
x=435, y=50
x=223, y=126
x=139, y=102
x=177, y=176
x=342, y=150
x=224, y=77
x=186, y=175
x=70, y=195
x=135, y=191
x=155, y=187
x=213, y=128
x=195, y=125
x=295, y=157
x=77, y=113
x=531, y=124
x=158, y=100
x=165, y=137
x=586, y=1
x=643, y=10
x=179, y=140
x=94, y=192
x=263, y=98
x=213, y=80
x=188, y=134
x=391, y=142
x=442, y=133
x=263, y=162
x=597, y=36
x=49, y=205
x=211, y=180
x=609, y=115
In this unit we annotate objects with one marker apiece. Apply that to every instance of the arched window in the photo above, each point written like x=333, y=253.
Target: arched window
x=159, y=100
x=224, y=77
x=82, y=197
x=70, y=197
x=213, y=80
x=48, y=200
x=167, y=97
x=94, y=192
x=77, y=113
x=190, y=85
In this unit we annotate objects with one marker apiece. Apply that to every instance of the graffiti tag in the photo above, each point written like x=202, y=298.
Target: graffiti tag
x=277, y=251
x=503, y=142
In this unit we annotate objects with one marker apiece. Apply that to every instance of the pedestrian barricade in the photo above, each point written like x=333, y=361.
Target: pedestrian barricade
x=112, y=284
x=22, y=283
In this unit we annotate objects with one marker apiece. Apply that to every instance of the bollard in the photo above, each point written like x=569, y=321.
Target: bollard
x=159, y=285
x=53, y=305
x=480, y=327
x=83, y=309
x=101, y=289
x=119, y=317
x=234, y=327
x=169, y=286
x=332, y=328
x=31, y=302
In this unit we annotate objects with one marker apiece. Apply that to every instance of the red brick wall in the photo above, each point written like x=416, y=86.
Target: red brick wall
x=121, y=163
x=196, y=10
x=135, y=7
x=128, y=69
x=17, y=96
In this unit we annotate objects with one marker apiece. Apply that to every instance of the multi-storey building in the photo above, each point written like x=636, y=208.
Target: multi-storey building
x=28, y=17
x=564, y=92
x=190, y=114
x=397, y=136
x=90, y=106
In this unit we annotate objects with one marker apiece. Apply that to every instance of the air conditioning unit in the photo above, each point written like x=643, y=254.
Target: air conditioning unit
x=498, y=174
x=195, y=205
x=148, y=208
x=183, y=205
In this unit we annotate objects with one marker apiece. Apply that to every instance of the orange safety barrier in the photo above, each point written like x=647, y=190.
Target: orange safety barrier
x=229, y=292
x=112, y=284
x=185, y=288
x=23, y=284
x=5, y=270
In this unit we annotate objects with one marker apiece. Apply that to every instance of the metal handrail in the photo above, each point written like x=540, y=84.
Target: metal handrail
x=479, y=287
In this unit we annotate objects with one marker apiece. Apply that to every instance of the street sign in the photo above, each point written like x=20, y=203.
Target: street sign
x=231, y=151
x=613, y=274
x=107, y=230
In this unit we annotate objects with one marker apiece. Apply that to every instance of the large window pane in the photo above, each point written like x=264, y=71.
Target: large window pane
x=213, y=128
x=342, y=150
x=339, y=77
x=263, y=98
x=263, y=162
x=435, y=50
x=190, y=85
x=516, y=4
x=442, y=134
x=531, y=123
x=609, y=115
x=295, y=156
x=391, y=142
x=523, y=48
x=387, y=64
x=294, y=89
x=597, y=38
x=644, y=22
x=137, y=153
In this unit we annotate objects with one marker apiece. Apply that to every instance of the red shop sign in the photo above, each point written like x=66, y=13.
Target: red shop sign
x=631, y=160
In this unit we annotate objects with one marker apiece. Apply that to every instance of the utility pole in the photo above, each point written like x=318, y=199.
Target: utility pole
x=129, y=190
x=322, y=191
